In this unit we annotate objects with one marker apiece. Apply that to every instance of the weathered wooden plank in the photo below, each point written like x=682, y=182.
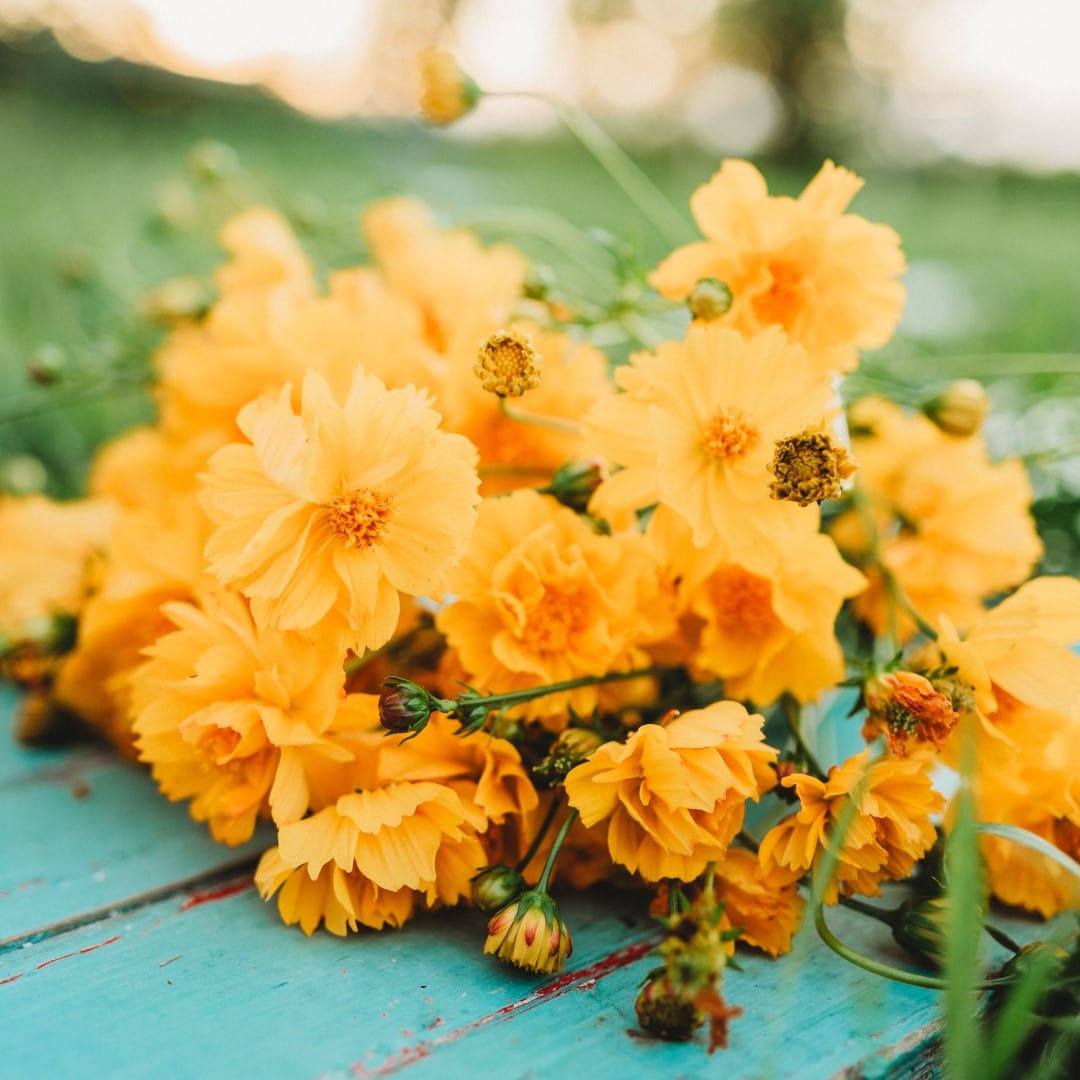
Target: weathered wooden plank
x=85, y=831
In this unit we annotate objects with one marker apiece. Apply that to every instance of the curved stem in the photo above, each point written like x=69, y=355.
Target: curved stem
x=899, y=598
x=542, y=884
x=636, y=185
x=884, y=915
x=554, y=423
x=930, y=982
x=538, y=839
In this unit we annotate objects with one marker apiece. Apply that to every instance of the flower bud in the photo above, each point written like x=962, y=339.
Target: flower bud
x=46, y=364
x=664, y=1012
x=180, y=298
x=530, y=934
x=574, y=483
x=496, y=886
x=406, y=707
x=921, y=928
x=960, y=408
x=212, y=161
x=709, y=299
x=569, y=750
x=446, y=92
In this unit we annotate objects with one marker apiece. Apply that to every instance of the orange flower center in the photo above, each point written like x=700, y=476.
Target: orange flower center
x=779, y=303
x=742, y=603
x=359, y=519
x=729, y=435
x=218, y=742
x=552, y=624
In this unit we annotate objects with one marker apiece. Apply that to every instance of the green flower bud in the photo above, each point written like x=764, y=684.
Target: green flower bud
x=495, y=887
x=709, y=299
x=406, y=707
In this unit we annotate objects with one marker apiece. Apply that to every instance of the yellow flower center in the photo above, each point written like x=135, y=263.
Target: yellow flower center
x=742, y=602
x=729, y=435
x=507, y=364
x=359, y=519
x=781, y=301
x=218, y=742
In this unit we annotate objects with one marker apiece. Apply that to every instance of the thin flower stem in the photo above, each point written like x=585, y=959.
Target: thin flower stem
x=792, y=715
x=1051, y=453
x=517, y=697
x=512, y=470
x=899, y=598
x=672, y=895
x=710, y=876
x=554, y=423
x=636, y=185
x=885, y=915
x=538, y=839
x=542, y=884
x=749, y=841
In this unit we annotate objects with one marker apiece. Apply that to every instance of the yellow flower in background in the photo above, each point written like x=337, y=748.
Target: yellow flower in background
x=695, y=429
x=329, y=512
x=514, y=452
x=674, y=795
x=761, y=618
x=540, y=597
x=224, y=712
x=463, y=290
x=827, y=278
x=767, y=912
x=952, y=527
x=265, y=254
x=446, y=92
x=50, y=551
x=889, y=832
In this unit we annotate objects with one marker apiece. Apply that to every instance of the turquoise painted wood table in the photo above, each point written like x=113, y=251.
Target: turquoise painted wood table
x=133, y=946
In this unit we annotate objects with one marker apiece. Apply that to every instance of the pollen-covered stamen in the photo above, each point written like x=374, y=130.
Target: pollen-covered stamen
x=809, y=467
x=507, y=364
x=729, y=435
x=359, y=519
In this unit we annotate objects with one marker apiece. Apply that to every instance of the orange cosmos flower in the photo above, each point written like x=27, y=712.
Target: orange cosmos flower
x=225, y=713
x=542, y=598
x=952, y=528
x=909, y=710
x=761, y=618
x=674, y=795
x=327, y=514
x=827, y=278
x=890, y=832
x=767, y=912
x=695, y=429
x=368, y=855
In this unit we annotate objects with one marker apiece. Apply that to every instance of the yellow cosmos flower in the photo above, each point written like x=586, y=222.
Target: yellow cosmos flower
x=370, y=855
x=675, y=794
x=49, y=552
x=890, y=832
x=330, y=512
x=542, y=598
x=695, y=429
x=767, y=912
x=952, y=528
x=340, y=901
x=826, y=277
x=761, y=618
x=463, y=290
x=225, y=712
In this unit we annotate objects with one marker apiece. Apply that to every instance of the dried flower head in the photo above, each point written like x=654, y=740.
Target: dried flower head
x=908, y=709
x=808, y=468
x=507, y=363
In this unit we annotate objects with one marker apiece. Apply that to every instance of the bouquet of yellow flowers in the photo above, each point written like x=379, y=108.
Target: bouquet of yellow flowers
x=470, y=611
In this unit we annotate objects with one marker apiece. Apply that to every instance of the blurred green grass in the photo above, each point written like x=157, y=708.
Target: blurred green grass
x=94, y=153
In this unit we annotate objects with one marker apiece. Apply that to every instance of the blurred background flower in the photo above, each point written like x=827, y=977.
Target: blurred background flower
x=131, y=127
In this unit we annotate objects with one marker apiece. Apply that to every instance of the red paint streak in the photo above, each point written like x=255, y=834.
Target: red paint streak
x=99, y=945
x=195, y=899
x=80, y=952
x=11, y=978
x=583, y=979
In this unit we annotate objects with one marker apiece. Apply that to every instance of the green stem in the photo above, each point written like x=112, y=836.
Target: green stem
x=518, y=697
x=710, y=876
x=793, y=717
x=749, y=841
x=636, y=185
x=930, y=982
x=1001, y=937
x=885, y=915
x=538, y=839
x=542, y=884
x=899, y=598
x=554, y=423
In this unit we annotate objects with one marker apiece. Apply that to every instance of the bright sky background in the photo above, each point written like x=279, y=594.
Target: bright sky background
x=989, y=80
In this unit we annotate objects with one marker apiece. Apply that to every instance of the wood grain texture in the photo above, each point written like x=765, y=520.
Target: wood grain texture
x=200, y=978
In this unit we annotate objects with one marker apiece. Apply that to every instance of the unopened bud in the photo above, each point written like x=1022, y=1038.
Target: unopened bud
x=530, y=934
x=495, y=887
x=176, y=300
x=406, y=707
x=46, y=364
x=574, y=483
x=709, y=299
x=921, y=928
x=960, y=408
x=23, y=474
x=569, y=750
x=446, y=92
